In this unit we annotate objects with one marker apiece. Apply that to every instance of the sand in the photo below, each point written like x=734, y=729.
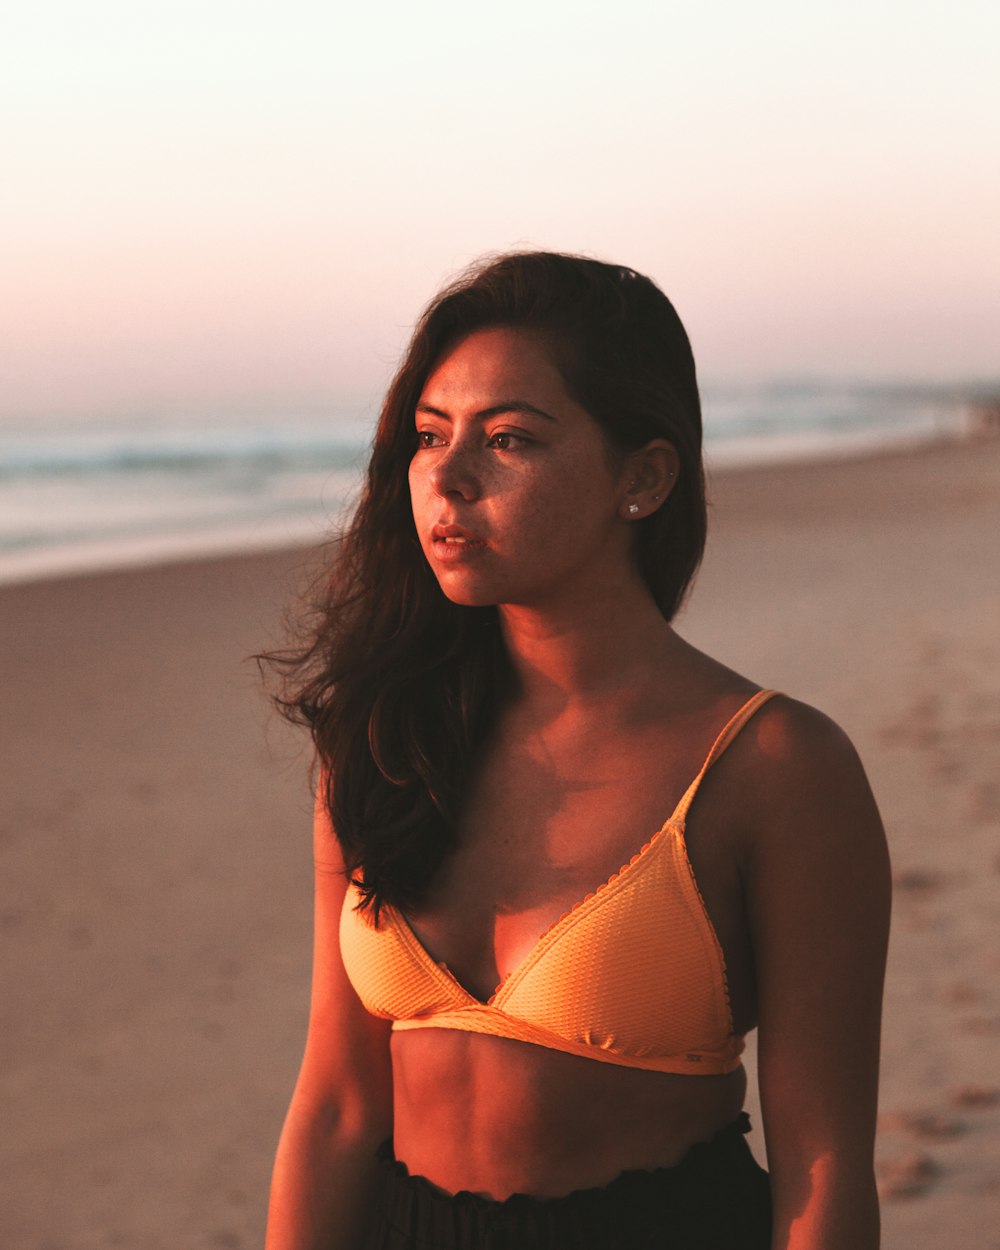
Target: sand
x=155, y=859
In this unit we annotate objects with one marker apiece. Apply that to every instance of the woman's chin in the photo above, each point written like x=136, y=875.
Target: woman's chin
x=468, y=596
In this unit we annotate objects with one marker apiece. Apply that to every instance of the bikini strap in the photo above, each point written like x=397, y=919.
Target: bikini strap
x=729, y=732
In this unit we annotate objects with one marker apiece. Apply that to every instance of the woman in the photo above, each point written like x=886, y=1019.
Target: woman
x=533, y=1000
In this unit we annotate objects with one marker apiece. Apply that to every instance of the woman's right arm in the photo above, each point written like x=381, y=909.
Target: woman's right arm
x=341, y=1109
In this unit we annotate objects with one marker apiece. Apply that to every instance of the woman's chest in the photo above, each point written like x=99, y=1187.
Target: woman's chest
x=541, y=829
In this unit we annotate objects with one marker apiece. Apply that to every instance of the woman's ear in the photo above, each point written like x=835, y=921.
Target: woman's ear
x=649, y=475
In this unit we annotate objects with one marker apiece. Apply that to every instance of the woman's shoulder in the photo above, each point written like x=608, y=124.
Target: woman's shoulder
x=803, y=780
x=795, y=736
x=782, y=732
x=783, y=737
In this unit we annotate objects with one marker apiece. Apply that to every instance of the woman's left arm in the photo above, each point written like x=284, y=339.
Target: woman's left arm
x=818, y=898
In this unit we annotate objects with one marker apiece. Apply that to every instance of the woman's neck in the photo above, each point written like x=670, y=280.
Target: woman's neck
x=572, y=656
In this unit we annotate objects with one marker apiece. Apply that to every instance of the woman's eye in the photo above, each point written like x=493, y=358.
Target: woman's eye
x=425, y=438
x=504, y=441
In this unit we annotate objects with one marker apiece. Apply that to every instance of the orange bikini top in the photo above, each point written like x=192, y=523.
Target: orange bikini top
x=634, y=974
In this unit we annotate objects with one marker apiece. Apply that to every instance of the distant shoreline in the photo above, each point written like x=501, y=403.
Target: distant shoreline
x=289, y=533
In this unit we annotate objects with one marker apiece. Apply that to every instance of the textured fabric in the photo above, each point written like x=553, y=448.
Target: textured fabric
x=716, y=1198
x=633, y=974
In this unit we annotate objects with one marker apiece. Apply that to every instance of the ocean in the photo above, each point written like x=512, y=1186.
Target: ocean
x=78, y=494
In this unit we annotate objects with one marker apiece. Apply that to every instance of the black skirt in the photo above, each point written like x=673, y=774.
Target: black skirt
x=716, y=1198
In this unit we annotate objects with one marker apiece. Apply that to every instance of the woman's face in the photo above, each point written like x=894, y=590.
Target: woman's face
x=514, y=498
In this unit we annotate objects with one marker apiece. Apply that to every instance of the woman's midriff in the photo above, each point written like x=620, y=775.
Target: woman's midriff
x=496, y=1116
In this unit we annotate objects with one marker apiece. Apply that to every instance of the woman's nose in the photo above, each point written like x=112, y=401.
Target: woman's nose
x=454, y=473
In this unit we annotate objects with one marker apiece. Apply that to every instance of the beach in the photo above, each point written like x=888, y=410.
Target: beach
x=156, y=858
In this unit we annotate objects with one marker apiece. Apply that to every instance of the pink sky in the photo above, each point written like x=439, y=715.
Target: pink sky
x=207, y=204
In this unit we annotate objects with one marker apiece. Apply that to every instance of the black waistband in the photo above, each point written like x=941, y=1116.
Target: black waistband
x=714, y=1193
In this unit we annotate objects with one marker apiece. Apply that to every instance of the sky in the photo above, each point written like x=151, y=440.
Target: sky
x=218, y=204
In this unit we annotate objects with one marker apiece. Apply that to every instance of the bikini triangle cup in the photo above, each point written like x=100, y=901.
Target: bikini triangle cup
x=633, y=974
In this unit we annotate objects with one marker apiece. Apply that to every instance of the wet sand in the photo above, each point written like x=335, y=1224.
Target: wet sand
x=155, y=857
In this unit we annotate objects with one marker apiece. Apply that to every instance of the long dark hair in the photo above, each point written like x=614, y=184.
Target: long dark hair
x=400, y=686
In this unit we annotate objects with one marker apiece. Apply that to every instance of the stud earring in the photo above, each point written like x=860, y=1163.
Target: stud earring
x=633, y=508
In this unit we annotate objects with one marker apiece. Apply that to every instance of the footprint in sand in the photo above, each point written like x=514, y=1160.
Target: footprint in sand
x=919, y=882
x=912, y=887
x=947, y=767
x=907, y=1176
x=928, y=1125
x=985, y=805
x=920, y=727
x=984, y=1026
x=975, y=1096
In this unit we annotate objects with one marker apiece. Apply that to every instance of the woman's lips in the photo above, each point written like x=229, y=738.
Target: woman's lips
x=453, y=543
